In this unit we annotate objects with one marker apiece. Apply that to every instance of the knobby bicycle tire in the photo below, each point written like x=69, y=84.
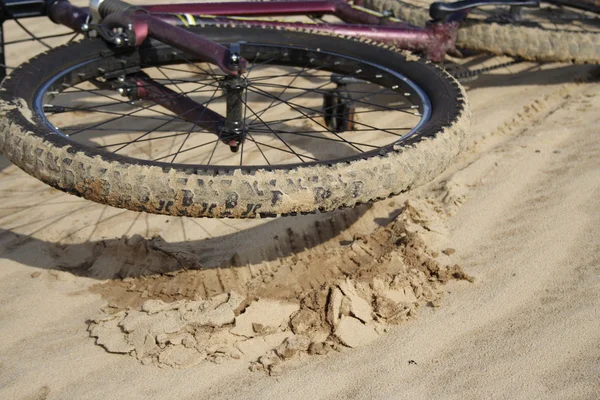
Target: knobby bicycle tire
x=531, y=42
x=216, y=191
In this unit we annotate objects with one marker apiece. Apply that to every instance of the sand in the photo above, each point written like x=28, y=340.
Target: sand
x=482, y=284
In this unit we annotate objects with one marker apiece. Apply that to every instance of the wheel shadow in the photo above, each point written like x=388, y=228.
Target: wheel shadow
x=525, y=73
x=129, y=256
x=134, y=255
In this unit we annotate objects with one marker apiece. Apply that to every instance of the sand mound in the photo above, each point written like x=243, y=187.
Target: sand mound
x=314, y=302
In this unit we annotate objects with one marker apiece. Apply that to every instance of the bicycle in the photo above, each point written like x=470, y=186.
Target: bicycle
x=547, y=30
x=407, y=116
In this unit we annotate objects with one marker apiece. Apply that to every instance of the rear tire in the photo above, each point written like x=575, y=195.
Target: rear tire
x=528, y=39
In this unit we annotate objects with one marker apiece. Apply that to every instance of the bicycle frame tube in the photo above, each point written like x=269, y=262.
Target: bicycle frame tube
x=148, y=89
x=61, y=11
x=254, y=9
x=144, y=25
x=434, y=41
x=339, y=8
x=147, y=25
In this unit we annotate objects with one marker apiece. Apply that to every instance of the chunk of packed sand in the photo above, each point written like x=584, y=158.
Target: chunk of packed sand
x=382, y=279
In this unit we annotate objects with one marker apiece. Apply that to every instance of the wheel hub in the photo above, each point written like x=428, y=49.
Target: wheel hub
x=234, y=130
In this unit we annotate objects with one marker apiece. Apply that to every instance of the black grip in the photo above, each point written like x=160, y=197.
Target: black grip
x=108, y=7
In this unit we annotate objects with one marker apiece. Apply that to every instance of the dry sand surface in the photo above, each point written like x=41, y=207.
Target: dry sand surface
x=482, y=284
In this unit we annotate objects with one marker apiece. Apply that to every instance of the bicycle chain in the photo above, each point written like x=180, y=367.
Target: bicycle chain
x=470, y=75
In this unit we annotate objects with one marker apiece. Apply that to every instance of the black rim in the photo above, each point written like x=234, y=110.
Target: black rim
x=286, y=109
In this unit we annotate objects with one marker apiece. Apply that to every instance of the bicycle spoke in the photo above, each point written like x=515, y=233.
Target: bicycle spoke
x=356, y=100
x=286, y=115
x=298, y=106
x=160, y=126
x=199, y=118
x=258, y=147
x=271, y=77
x=33, y=39
x=117, y=113
x=170, y=68
x=285, y=151
x=275, y=133
x=181, y=92
x=183, y=143
x=72, y=39
x=46, y=45
x=306, y=116
x=195, y=65
x=261, y=112
x=304, y=134
x=186, y=150
x=212, y=153
x=323, y=126
x=142, y=108
x=245, y=101
x=148, y=139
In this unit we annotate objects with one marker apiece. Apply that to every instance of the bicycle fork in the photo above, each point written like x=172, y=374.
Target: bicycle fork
x=124, y=25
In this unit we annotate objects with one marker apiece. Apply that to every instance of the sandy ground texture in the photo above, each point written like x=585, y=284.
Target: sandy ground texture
x=482, y=284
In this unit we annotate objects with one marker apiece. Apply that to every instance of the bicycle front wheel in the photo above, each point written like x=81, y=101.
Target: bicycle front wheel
x=550, y=33
x=328, y=123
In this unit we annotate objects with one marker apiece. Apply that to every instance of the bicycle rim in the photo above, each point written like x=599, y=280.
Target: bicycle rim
x=287, y=118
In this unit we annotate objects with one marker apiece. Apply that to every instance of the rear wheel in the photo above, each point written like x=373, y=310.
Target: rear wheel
x=550, y=33
x=71, y=120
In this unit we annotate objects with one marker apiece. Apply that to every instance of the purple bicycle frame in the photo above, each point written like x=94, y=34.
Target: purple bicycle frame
x=434, y=40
